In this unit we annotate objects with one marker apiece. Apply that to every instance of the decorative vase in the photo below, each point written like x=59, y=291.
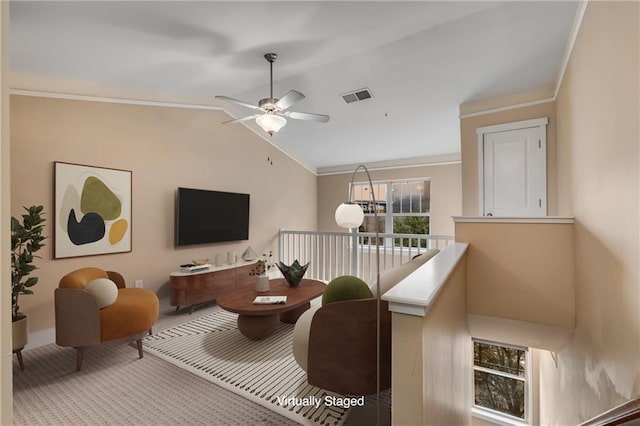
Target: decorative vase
x=294, y=273
x=262, y=284
x=249, y=254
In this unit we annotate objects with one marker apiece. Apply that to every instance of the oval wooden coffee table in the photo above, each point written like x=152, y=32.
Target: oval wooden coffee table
x=260, y=321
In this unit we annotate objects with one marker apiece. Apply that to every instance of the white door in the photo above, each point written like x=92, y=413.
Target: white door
x=514, y=181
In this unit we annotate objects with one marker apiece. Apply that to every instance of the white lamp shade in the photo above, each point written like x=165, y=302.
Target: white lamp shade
x=349, y=215
x=271, y=123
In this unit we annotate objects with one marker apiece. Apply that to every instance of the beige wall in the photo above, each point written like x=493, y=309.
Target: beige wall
x=6, y=357
x=598, y=162
x=469, y=151
x=448, y=354
x=520, y=271
x=475, y=421
x=445, y=193
x=407, y=359
x=431, y=355
x=164, y=148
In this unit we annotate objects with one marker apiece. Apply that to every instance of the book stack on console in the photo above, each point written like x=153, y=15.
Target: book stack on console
x=192, y=267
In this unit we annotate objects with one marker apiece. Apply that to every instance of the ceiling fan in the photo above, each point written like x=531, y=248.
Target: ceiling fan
x=272, y=110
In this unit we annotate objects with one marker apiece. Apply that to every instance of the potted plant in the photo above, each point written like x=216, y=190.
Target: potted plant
x=260, y=270
x=26, y=240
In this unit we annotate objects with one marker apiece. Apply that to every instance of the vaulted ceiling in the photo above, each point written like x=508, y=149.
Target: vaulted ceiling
x=420, y=61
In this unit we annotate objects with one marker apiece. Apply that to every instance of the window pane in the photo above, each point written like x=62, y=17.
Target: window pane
x=499, y=393
x=500, y=358
x=411, y=197
x=369, y=224
x=381, y=196
x=397, y=197
x=419, y=197
x=359, y=193
x=362, y=196
x=426, y=194
x=410, y=225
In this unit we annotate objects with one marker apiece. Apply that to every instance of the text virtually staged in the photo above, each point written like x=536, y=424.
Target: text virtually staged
x=314, y=401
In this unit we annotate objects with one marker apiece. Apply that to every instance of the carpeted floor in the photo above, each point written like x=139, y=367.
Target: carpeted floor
x=116, y=388
x=263, y=371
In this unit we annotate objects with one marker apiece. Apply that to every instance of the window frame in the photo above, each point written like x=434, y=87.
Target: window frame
x=389, y=215
x=496, y=416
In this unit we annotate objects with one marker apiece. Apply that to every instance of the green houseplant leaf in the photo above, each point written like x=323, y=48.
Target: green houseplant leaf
x=26, y=239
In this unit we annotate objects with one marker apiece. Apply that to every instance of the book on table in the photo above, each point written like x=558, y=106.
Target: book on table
x=270, y=300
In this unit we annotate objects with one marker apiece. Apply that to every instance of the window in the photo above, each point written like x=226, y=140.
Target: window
x=501, y=381
x=403, y=207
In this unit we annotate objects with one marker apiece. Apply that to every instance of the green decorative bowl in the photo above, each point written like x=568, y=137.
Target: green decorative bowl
x=294, y=273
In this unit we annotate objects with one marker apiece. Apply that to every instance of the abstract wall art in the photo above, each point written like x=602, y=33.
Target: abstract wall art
x=92, y=210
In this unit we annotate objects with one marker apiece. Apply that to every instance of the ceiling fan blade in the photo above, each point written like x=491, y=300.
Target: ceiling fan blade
x=322, y=118
x=241, y=119
x=235, y=101
x=289, y=99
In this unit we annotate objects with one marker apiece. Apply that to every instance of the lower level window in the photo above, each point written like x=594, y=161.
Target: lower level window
x=501, y=379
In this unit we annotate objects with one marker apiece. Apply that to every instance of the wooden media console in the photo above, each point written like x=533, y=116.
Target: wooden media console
x=191, y=288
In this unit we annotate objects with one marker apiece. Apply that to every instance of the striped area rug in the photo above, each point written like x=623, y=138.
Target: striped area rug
x=262, y=371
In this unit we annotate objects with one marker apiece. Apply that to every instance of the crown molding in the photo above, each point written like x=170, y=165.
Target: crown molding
x=573, y=36
x=114, y=100
x=503, y=103
x=403, y=163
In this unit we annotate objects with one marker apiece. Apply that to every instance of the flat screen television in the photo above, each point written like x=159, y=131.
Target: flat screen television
x=204, y=216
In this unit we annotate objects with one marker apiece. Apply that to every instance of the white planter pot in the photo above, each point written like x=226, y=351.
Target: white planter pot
x=262, y=284
x=19, y=333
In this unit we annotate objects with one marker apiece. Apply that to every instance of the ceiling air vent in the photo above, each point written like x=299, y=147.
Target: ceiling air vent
x=357, y=95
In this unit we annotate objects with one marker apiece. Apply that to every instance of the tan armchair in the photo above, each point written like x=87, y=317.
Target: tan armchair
x=336, y=343
x=81, y=323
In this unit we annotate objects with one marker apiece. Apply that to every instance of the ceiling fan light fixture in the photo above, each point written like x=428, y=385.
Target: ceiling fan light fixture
x=271, y=123
x=271, y=120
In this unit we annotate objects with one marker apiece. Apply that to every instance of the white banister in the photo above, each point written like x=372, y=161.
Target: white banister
x=352, y=253
x=415, y=294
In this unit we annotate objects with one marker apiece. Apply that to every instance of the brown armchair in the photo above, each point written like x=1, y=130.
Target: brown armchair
x=81, y=323
x=336, y=343
x=342, y=347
